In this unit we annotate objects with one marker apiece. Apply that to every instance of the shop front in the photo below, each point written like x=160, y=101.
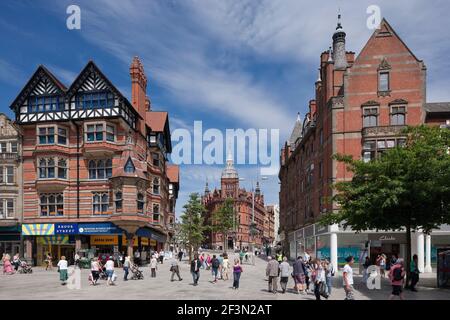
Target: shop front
x=57, y=246
x=10, y=241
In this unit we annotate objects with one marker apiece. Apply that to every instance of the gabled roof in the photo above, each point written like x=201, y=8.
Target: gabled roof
x=386, y=29
x=156, y=120
x=92, y=67
x=173, y=173
x=40, y=73
x=139, y=172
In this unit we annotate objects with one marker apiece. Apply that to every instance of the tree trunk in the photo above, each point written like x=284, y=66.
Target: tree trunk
x=408, y=255
x=190, y=253
x=225, y=242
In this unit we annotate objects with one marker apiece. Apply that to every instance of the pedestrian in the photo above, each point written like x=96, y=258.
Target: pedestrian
x=180, y=255
x=414, y=273
x=319, y=280
x=215, y=264
x=308, y=274
x=225, y=266
x=241, y=256
x=110, y=271
x=397, y=275
x=284, y=274
x=195, y=269
x=161, y=256
x=329, y=274
x=299, y=275
x=347, y=274
x=126, y=267
x=237, y=271
x=16, y=261
x=366, y=266
x=272, y=272
x=220, y=258
x=62, y=269
x=49, y=262
x=7, y=266
x=208, y=262
x=175, y=269
x=306, y=257
x=153, y=266
x=95, y=271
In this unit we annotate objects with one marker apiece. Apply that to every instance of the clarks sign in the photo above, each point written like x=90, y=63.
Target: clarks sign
x=387, y=238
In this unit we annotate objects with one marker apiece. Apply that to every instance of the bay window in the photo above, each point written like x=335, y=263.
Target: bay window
x=51, y=205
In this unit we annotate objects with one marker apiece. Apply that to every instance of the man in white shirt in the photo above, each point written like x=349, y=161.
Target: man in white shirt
x=347, y=274
x=110, y=270
x=306, y=257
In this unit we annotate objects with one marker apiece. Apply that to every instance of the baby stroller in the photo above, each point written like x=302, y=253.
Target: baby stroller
x=103, y=275
x=136, y=273
x=25, y=267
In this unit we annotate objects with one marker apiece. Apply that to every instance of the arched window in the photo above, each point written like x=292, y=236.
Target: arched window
x=129, y=166
x=52, y=204
x=155, y=185
x=92, y=170
x=62, y=169
x=140, y=203
x=100, y=203
x=118, y=201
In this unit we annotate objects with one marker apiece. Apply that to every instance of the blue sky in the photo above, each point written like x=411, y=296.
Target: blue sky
x=232, y=64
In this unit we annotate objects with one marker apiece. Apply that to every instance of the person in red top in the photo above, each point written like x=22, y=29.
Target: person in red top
x=397, y=275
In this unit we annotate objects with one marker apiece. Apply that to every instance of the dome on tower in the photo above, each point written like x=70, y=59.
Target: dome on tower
x=230, y=171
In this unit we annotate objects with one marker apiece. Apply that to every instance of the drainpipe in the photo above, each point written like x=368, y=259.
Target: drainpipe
x=78, y=171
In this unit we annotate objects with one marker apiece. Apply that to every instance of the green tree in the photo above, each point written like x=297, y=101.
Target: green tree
x=192, y=224
x=407, y=188
x=223, y=220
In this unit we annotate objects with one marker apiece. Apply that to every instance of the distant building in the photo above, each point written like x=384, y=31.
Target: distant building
x=245, y=204
x=10, y=187
x=361, y=106
x=272, y=224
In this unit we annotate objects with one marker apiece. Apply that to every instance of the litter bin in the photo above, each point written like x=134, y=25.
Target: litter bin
x=443, y=268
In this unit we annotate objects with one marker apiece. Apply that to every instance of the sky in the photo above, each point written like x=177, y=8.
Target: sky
x=228, y=63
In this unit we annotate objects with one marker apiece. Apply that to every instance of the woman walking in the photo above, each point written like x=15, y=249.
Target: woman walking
x=95, y=271
x=49, y=262
x=62, y=269
x=414, y=273
x=237, y=271
x=126, y=267
x=7, y=266
x=319, y=279
x=284, y=274
x=109, y=265
x=225, y=267
x=153, y=266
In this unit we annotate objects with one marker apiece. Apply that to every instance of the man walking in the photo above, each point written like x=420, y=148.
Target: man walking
x=348, y=278
x=180, y=255
x=299, y=275
x=215, y=264
x=272, y=272
x=414, y=270
x=175, y=269
x=195, y=269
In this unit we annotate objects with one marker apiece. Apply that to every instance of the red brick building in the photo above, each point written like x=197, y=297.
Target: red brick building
x=95, y=171
x=360, y=107
x=248, y=206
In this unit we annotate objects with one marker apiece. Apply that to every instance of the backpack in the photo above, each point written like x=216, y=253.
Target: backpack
x=215, y=263
x=398, y=274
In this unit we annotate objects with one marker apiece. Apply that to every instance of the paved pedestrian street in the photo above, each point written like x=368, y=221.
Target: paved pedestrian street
x=45, y=285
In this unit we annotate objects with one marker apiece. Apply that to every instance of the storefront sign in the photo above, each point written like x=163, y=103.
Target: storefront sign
x=98, y=228
x=387, y=238
x=144, y=241
x=38, y=229
x=153, y=243
x=53, y=240
x=66, y=228
x=125, y=241
x=105, y=240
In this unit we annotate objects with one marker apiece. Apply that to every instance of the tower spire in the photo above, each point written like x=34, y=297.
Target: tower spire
x=339, y=54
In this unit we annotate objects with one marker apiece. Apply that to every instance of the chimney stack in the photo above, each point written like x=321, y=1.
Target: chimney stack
x=139, y=90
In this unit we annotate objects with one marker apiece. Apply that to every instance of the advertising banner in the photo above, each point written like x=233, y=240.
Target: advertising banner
x=105, y=240
x=98, y=228
x=66, y=228
x=38, y=229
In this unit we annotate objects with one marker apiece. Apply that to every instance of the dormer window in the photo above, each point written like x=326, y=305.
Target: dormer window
x=94, y=100
x=129, y=166
x=45, y=104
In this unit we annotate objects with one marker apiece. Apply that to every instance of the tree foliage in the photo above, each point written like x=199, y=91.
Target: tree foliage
x=192, y=227
x=407, y=188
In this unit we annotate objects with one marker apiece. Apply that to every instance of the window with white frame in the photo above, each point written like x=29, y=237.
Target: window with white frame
x=96, y=132
x=398, y=115
x=51, y=204
x=50, y=168
x=100, y=169
x=3, y=146
x=100, y=203
x=52, y=135
x=6, y=208
x=7, y=174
